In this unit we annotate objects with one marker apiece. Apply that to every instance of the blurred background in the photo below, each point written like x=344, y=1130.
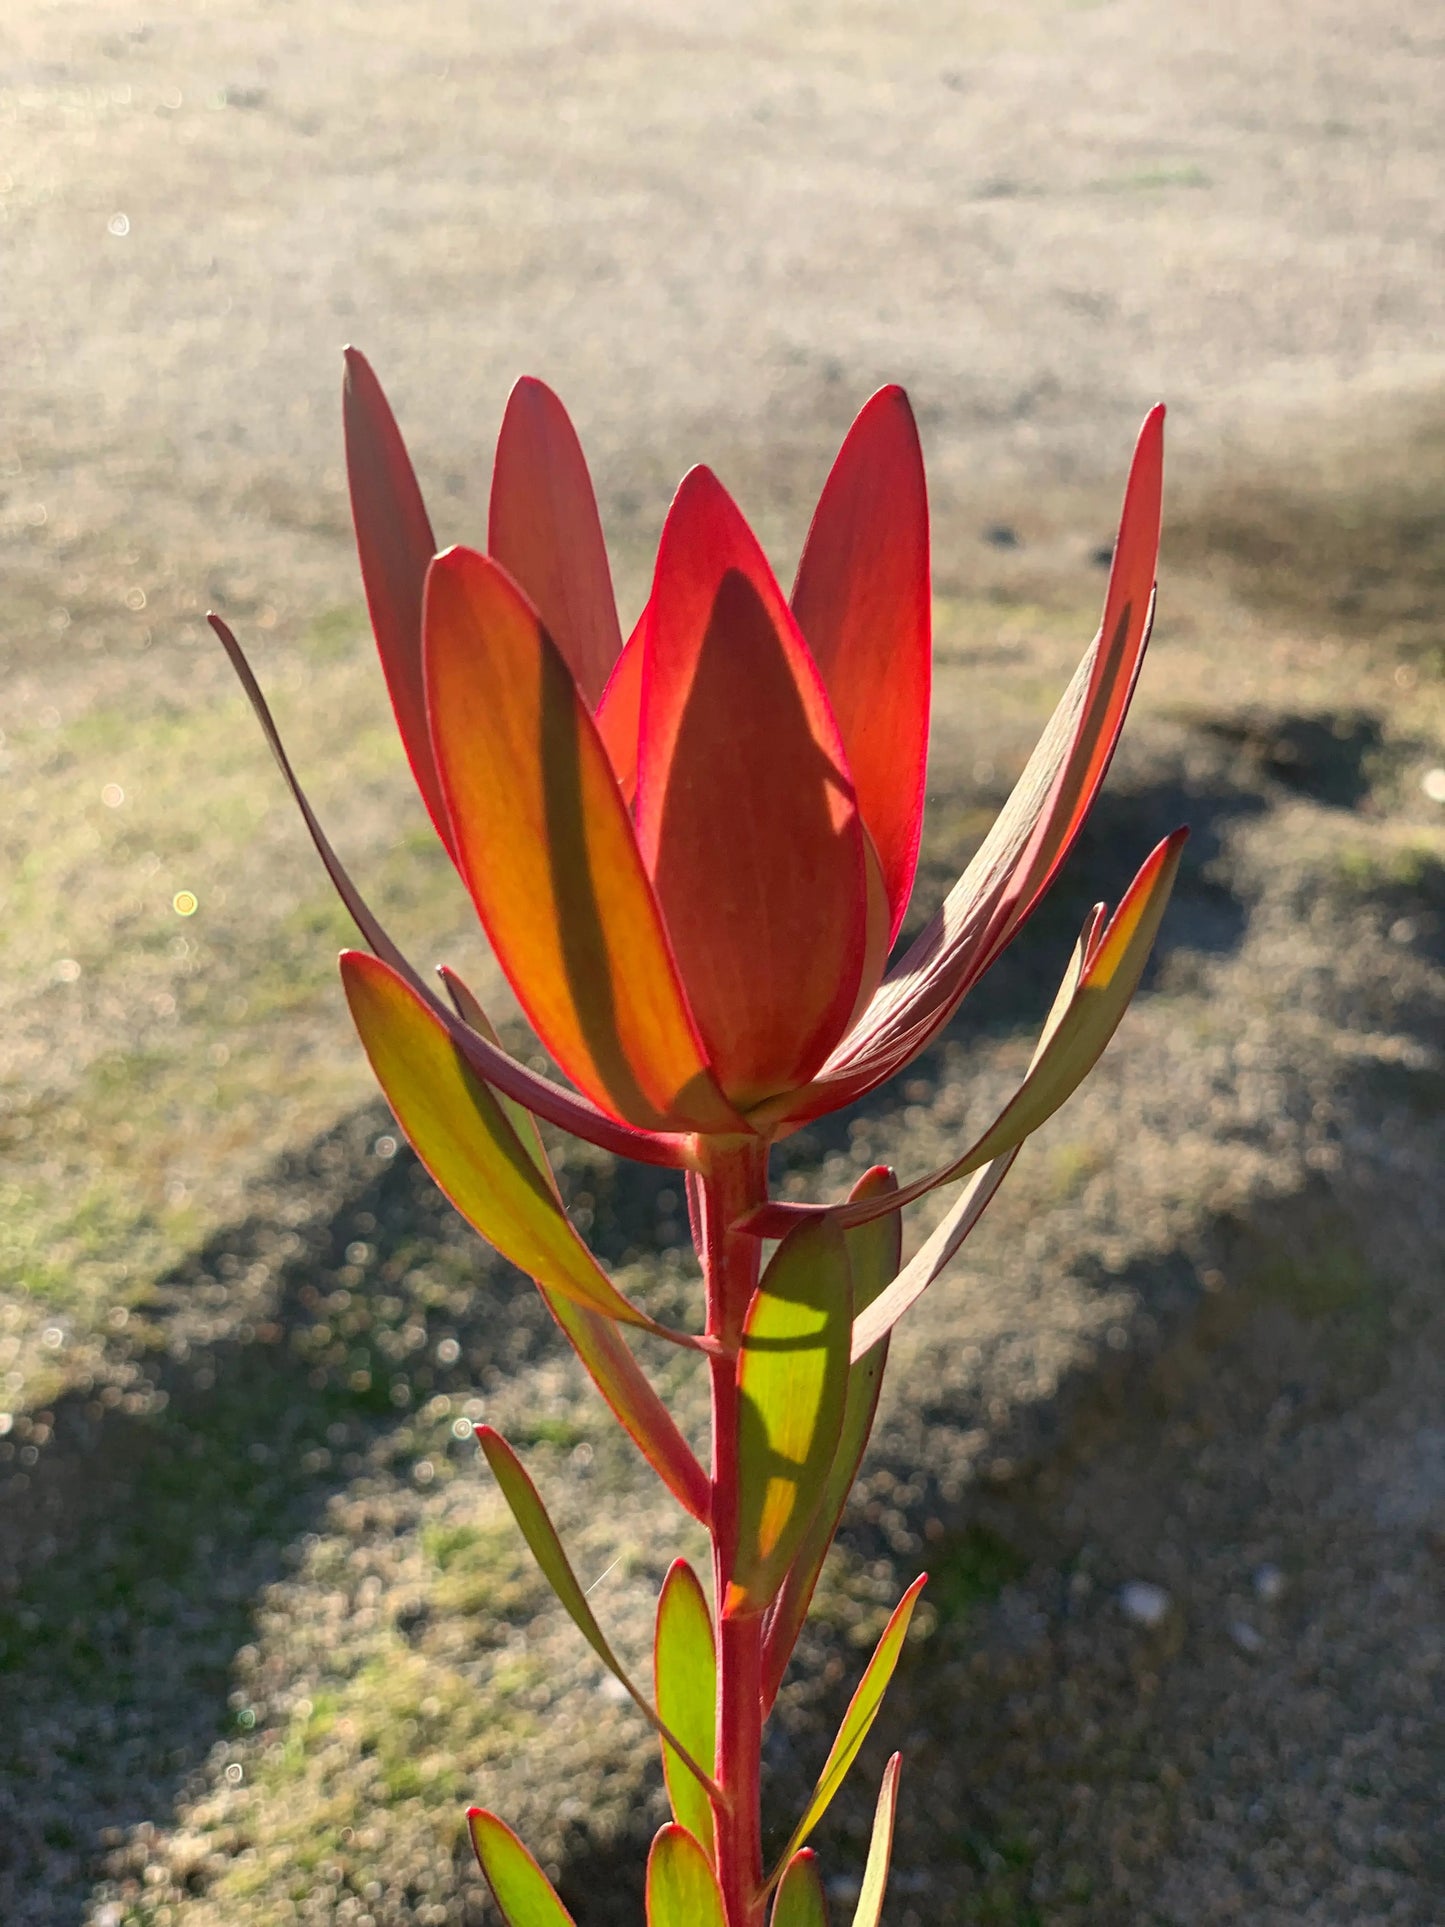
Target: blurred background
x=1169, y=1438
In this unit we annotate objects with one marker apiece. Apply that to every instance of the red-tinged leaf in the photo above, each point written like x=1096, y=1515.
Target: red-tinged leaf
x=459, y=1131
x=863, y=601
x=858, y=1720
x=682, y=1889
x=545, y=531
x=792, y=1387
x=685, y=1681
x=547, y=850
x=560, y=1107
x=1087, y=1012
x=873, y=1256
x=799, y=1901
x=869, y=1910
x=1032, y=835
x=541, y=1536
x=522, y=1891
x=619, y=713
x=395, y=543
x=746, y=816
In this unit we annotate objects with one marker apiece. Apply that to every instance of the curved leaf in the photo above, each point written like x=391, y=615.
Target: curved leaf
x=863, y=601
x=862, y=1711
x=547, y=850
x=869, y=1910
x=522, y=1891
x=800, y=1901
x=545, y=531
x=619, y=711
x=541, y=1535
x=682, y=1889
x=685, y=1681
x=792, y=1386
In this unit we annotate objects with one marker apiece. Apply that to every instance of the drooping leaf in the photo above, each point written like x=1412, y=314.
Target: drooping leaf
x=799, y=1901
x=685, y=1681
x=682, y=1889
x=1079, y=1027
x=862, y=1711
x=746, y=816
x=869, y=1910
x=457, y=1127
x=540, y=1534
x=545, y=531
x=522, y=1891
x=863, y=601
x=873, y=1254
x=546, y=847
x=395, y=543
x=792, y=1386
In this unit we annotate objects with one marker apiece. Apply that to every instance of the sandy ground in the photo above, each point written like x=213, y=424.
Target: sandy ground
x=255, y=1660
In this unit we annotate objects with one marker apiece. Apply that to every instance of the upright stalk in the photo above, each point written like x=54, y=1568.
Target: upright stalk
x=734, y=1178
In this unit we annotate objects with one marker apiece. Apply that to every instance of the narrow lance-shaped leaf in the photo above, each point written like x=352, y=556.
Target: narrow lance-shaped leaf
x=862, y=1711
x=869, y=1910
x=458, y=1129
x=799, y=1901
x=682, y=1889
x=685, y=1681
x=873, y=1255
x=541, y=1535
x=1067, y=1054
x=522, y=1891
x=547, y=850
x=792, y=1385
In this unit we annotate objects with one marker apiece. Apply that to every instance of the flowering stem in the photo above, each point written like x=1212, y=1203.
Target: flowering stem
x=733, y=1180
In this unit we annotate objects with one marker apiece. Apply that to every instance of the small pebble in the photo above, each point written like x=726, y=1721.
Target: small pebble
x=1247, y=1638
x=1269, y=1584
x=1144, y=1603
x=1433, y=784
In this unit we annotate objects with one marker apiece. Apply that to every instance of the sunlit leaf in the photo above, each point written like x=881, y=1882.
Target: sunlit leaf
x=685, y=1681
x=862, y=1711
x=682, y=1889
x=792, y=1386
x=869, y=1910
x=799, y=1901
x=522, y=1891
x=541, y=1536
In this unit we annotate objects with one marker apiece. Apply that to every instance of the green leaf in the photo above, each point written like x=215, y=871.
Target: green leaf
x=682, y=1889
x=595, y=1338
x=800, y=1901
x=541, y=1535
x=462, y=1135
x=792, y=1384
x=873, y=1253
x=880, y=1848
x=522, y=1890
x=685, y=1675
x=862, y=1711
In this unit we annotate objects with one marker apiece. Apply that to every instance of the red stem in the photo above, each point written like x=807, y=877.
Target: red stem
x=734, y=1179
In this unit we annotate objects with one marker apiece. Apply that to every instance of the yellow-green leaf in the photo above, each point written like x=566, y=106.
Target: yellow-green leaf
x=880, y=1848
x=685, y=1676
x=792, y=1384
x=682, y=1889
x=799, y=1901
x=521, y=1889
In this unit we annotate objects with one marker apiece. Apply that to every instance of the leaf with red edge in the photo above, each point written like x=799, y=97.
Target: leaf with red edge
x=459, y=1131
x=547, y=850
x=869, y=1910
x=619, y=711
x=682, y=1889
x=873, y=1254
x=536, y=1527
x=799, y=1901
x=864, y=603
x=395, y=543
x=545, y=531
x=684, y=1669
x=858, y=1720
x=746, y=816
x=521, y=1890
x=1084, y=1018
x=792, y=1386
